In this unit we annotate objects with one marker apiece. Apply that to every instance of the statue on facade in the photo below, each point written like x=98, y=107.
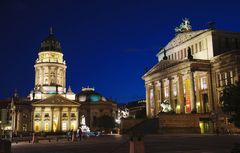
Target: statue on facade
x=184, y=26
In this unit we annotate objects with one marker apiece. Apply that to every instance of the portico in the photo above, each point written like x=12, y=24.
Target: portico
x=55, y=113
x=183, y=85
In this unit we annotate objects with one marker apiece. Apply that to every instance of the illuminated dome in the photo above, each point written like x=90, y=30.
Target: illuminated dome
x=89, y=95
x=50, y=43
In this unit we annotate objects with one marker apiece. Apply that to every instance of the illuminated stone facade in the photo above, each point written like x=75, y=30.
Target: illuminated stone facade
x=49, y=107
x=192, y=71
x=50, y=70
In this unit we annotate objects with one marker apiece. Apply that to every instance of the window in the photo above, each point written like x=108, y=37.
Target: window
x=24, y=127
x=178, y=55
x=181, y=54
x=175, y=89
x=231, y=77
x=185, y=52
x=225, y=78
x=175, y=55
x=172, y=57
x=203, y=83
x=200, y=46
x=236, y=43
x=166, y=92
x=192, y=48
x=169, y=57
x=227, y=44
x=196, y=48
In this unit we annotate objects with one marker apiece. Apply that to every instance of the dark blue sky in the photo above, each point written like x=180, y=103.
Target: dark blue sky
x=106, y=43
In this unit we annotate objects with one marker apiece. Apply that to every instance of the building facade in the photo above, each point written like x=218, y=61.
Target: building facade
x=49, y=107
x=192, y=71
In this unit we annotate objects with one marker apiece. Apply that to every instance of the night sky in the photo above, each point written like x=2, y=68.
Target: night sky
x=106, y=43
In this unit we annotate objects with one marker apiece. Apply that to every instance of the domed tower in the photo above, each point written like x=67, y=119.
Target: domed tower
x=50, y=69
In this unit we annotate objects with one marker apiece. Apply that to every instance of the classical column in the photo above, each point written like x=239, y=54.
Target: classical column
x=157, y=97
x=52, y=114
x=210, y=92
x=60, y=119
x=198, y=94
x=192, y=91
x=42, y=76
x=42, y=120
x=69, y=119
x=64, y=78
x=180, y=93
x=170, y=93
x=148, y=112
x=162, y=90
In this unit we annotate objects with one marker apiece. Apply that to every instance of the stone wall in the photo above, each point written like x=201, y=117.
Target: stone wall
x=129, y=123
x=179, y=123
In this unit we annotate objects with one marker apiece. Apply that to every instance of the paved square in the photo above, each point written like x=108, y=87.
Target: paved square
x=120, y=144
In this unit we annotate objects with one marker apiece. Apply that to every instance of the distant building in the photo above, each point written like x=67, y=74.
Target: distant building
x=50, y=107
x=192, y=71
x=137, y=109
x=93, y=106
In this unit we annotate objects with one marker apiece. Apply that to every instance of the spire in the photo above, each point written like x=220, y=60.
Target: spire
x=69, y=89
x=15, y=94
x=50, y=31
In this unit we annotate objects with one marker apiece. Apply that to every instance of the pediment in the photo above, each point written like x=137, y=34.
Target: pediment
x=56, y=100
x=180, y=38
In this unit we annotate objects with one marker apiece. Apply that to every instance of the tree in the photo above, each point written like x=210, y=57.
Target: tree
x=231, y=103
x=106, y=122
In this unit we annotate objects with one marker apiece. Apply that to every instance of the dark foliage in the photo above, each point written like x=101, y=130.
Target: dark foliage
x=231, y=103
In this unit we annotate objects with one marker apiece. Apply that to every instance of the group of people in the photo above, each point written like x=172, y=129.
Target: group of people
x=79, y=134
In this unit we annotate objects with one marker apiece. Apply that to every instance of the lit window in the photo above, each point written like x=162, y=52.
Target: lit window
x=231, y=77
x=196, y=47
x=200, y=46
x=166, y=92
x=225, y=78
x=174, y=90
x=204, y=83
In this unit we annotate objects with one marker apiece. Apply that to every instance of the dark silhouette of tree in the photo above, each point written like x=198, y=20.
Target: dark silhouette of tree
x=231, y=103
x=106, y=122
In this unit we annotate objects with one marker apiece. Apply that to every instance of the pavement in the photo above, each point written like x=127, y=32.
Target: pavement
x=120, y=144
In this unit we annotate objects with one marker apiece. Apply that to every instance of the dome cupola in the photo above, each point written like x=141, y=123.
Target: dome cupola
x=50, y=43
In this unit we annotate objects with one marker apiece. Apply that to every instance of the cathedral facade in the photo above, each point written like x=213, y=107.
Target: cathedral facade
x=192, y=71
x=49, y=106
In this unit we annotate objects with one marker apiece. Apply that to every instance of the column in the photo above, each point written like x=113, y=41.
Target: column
x=36, y=76
x=210, y=92
x=42, y=75
x=154, y=99
x=162, y=90
x=157, y=97
x=69, y=120
x=60, y=118
x=198, y=102
x=52, y=111
x=148, y=112
x=64, y=78
x=171, y=93
x=192, y=92
x=180, y=93
x=42, y=120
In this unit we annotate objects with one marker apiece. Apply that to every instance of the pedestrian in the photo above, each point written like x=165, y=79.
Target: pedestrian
x=77, y=134
x=80, y=134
